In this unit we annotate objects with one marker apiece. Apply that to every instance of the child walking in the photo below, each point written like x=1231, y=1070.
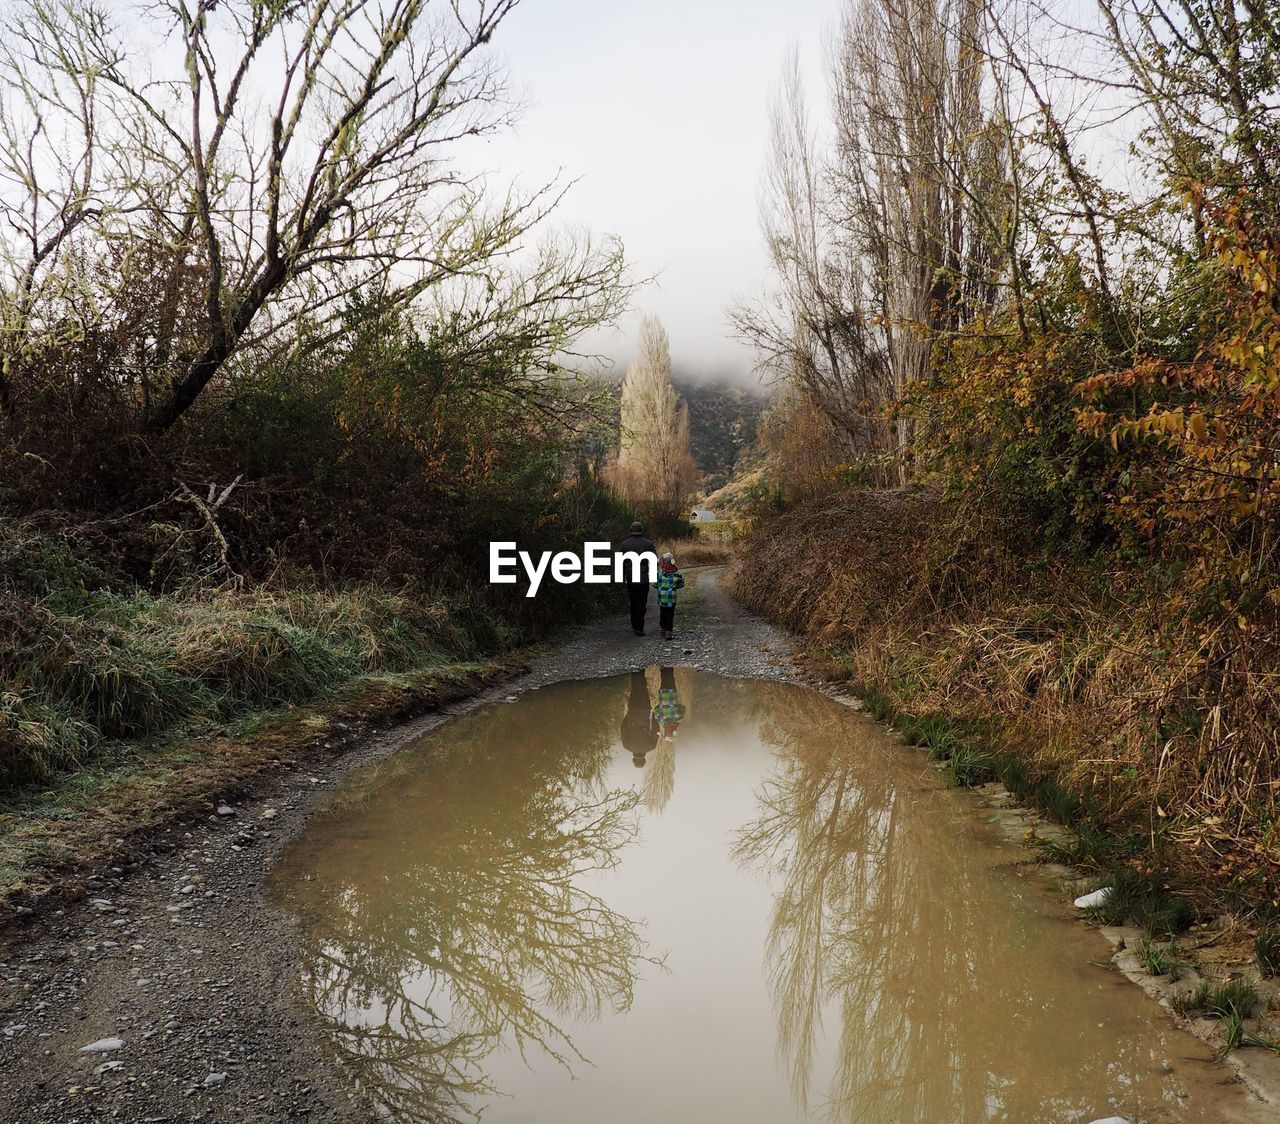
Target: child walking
x=670, y=582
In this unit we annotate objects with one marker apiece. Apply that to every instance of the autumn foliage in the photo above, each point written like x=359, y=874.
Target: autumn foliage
x=1092, y=563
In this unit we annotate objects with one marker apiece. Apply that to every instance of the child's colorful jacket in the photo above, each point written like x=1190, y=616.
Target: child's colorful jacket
x=667, y=585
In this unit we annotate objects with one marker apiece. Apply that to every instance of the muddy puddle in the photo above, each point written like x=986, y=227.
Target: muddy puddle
x=677, y=897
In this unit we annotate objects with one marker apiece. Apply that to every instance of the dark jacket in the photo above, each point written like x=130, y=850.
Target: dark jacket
x=639, y=733
x=636, y=544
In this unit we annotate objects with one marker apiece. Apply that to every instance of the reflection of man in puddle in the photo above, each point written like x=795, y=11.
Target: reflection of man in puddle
x=669, y=711
x=639, y=730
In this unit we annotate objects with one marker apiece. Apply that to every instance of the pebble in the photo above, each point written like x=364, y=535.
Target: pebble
x=214, y=1080
x=269, y=813
x=226, y=810
x=103, y=1046
x=187, y=889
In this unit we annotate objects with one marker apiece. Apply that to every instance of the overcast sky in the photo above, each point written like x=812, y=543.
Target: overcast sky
x=659, y=110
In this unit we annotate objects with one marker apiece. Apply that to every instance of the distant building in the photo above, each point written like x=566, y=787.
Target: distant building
x=702, y=515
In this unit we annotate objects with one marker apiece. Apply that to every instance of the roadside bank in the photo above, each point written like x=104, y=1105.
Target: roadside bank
x=1036, y=686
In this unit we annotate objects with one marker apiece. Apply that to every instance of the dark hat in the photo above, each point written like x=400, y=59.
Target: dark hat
x=637, y=528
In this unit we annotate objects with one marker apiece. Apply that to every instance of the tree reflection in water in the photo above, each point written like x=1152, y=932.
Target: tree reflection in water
x=450, y=915
x=449, y=921
x=888, y=927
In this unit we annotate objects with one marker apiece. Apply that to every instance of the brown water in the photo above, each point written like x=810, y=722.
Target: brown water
x=779, y=915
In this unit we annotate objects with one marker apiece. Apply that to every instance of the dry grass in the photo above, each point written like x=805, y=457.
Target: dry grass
x=129, y=666
x=700, y=550
x=1073, y=669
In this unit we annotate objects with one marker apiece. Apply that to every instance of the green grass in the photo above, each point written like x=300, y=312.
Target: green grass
x=877, y=703
x=1146, y=901
x=1091, y=846
x=1267, y=949
x=1232, y=1033
x=971, y=766
x=1234, y=999
x=1159, y=959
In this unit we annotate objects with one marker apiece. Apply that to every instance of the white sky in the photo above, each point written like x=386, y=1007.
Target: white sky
x=659, y=110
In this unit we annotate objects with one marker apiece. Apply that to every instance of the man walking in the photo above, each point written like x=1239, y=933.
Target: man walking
x=638, y=591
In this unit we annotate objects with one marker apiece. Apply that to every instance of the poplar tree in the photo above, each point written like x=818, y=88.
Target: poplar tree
x=655, y=465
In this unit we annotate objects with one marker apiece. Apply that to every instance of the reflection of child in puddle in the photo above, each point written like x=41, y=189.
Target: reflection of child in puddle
x=669, y=711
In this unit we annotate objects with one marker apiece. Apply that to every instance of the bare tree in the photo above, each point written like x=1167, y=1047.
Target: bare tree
x=267, y=161
x=813, y=330
x=897, y=238
x=1205, y=76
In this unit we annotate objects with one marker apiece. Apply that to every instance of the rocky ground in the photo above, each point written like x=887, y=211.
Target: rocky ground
x=167, y=993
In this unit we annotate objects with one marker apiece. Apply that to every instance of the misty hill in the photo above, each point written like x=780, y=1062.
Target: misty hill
x=724, y=414
x=723, y=417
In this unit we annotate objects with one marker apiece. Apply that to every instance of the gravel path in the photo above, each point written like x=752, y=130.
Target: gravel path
x=180, y=971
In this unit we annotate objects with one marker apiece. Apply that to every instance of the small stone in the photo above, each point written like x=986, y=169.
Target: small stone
x=214, y=1080
x=107, y=1067
x=187, y=889
x=226, y=810
x=103, y=1046
x=269, y=813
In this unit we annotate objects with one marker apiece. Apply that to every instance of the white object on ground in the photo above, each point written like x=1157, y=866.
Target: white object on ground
x=103, y=1046
x=1092, y=901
